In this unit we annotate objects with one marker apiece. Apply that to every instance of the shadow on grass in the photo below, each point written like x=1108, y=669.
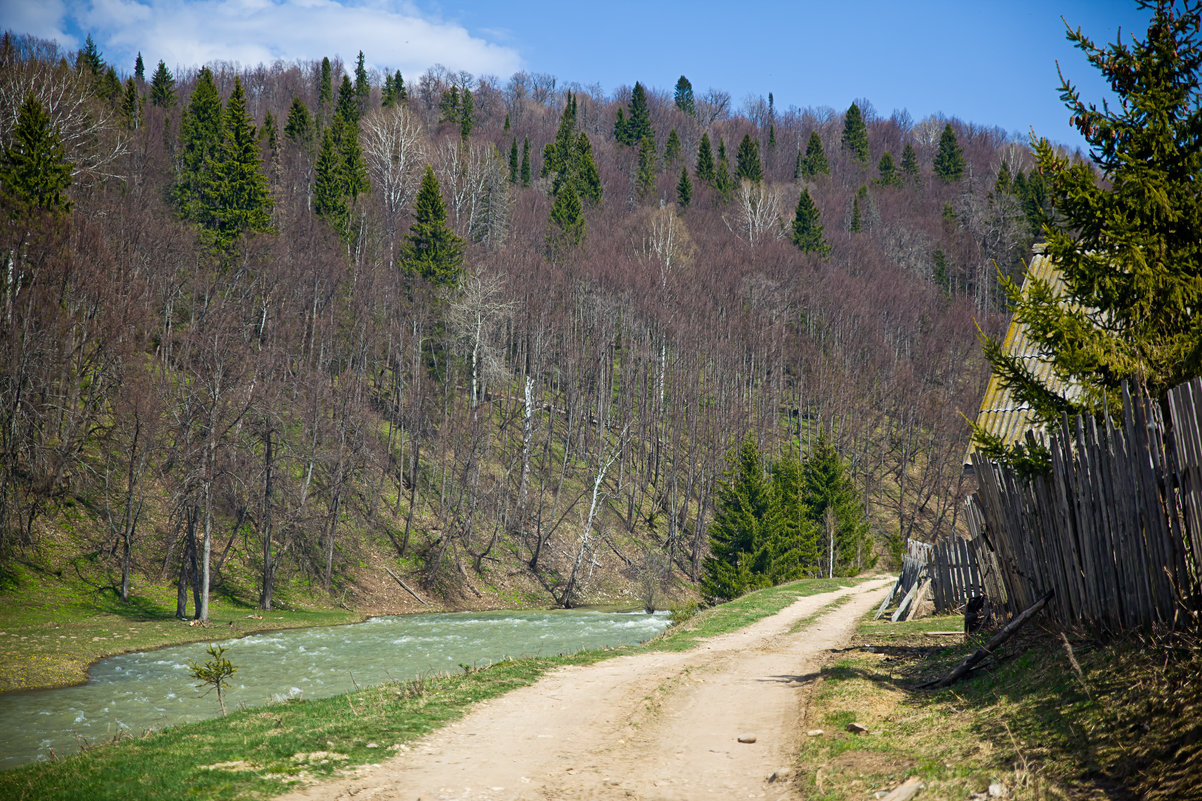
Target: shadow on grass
x=138, y=608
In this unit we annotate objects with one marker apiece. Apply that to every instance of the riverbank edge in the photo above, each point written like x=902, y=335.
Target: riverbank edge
x=224, y=624
x=177, y=750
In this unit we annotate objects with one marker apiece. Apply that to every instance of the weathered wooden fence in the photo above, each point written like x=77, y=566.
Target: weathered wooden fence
x=955, y=576
x=1115, y=528
x=914, y=574
x=947, y=571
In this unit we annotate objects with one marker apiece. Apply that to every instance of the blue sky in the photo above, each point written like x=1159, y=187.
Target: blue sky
x=991, y=63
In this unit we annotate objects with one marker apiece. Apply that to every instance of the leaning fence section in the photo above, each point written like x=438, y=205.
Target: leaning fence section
x=955, y=575
x=1114, y=529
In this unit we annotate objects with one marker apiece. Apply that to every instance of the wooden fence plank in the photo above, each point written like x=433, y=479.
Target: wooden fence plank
x=1114, y=530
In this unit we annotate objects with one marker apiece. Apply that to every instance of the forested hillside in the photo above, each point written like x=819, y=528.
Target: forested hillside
x=249, y=336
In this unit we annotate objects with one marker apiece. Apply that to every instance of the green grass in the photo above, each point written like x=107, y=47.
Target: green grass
x=258, y=752
x=53, y=627
x=1123, y=728
x=745, y=611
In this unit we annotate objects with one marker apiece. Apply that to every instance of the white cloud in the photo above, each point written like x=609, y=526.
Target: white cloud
x=188, y=33
x=43, y=19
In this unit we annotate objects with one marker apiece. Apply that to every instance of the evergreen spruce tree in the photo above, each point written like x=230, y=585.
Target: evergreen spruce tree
x=329, y=201
x=798, y=166
x=525, y=171
x=513, y=161
x=949, y=161
x=325, y=89
x=724, y=182
x=856, y=225
x=236, y=195
x=347, y=107
x=139, y=68
x=131, y=106
x=646, y=170
x=684, y=189
x=672, y=148
x=200, y=141
x=815, y=162
x=826, y=485
x=467, y=115
x=588, y=179
x=1126, y=242
x=620, y=126
x=746, y=524
x=637, y=123
x=909, y=162
x=569, y=159
x=398, y=87
x=796, y=552
x=705, y=161
x=855, y=134
x=299, y=127
x=269, y=133
x=362, y=88
x=558, y=156
x=888, y=171
x=162, y=87
x=109, y=88
x=506, y=128
x=807, y=226
x=684, y=96
x=431, y=249
x=939, y=272
x=388, y=92
x=747, y=161
x=34, y=171
x=1003, y=184
x=448, y=106
x=354, y=166
x=90, y=64
x=565, y=229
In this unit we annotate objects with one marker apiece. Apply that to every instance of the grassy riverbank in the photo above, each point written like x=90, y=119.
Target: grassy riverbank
x=52, y=627
x=257, y=753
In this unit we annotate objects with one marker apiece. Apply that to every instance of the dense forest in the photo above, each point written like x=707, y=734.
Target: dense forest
x=262, y=322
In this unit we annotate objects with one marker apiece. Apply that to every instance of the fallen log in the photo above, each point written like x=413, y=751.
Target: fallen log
x=406, y=586
x=975, y=658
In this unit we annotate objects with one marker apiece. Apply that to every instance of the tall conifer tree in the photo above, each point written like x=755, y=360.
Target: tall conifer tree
x=746, y=521
x=684, y=96
x=705, y=160
x=747, y=161
x=1126, y=242
x=684, y=189
x=949, y=161
x=565, y=229
x=855, y=134
x=162, y=87
x=431, y=249
x=815, y=162
x=807, y=227
x=237, y=199
x=201, y=136
x=34, y=171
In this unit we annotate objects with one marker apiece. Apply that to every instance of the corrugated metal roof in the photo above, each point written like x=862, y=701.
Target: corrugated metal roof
x=1000, y=413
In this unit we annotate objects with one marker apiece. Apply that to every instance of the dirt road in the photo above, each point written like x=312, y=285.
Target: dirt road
x=651, y=726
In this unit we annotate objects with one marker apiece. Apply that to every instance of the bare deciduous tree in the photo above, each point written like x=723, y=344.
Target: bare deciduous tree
x=393, y=145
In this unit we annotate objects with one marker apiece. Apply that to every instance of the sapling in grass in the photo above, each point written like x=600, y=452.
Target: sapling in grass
x=215, y=672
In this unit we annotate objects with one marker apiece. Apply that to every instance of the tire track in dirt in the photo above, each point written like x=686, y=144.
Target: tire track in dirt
x=649, y=726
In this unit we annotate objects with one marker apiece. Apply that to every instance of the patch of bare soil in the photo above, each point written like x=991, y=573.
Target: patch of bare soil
x=649, y=726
